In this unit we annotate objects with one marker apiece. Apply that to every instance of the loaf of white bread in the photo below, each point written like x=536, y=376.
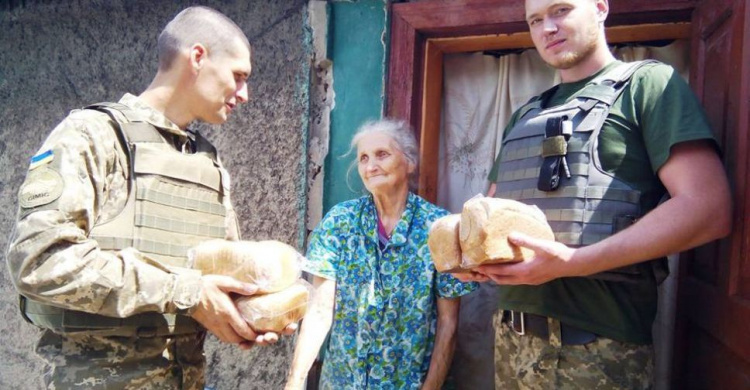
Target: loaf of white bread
x=275, y=311
x=483, y=230
x=444, y=245
x=272, y=266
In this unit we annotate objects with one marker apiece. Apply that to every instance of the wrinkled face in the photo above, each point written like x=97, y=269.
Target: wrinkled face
x=565, y=32
x=381, y=165
x=221, y=84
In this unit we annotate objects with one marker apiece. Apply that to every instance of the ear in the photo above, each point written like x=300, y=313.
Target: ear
x=198, y=56
x=412, y=167
x=602, y=10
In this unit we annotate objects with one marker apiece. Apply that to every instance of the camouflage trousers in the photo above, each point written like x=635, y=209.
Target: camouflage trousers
x=100, y=360
x=530, y=362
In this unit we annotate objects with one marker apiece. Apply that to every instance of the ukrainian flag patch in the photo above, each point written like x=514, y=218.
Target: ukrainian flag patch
x=42, y=158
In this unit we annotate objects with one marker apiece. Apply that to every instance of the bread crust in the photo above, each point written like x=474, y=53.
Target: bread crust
x=444, y=244
x=270, y=265
x=275, y=311
x=486, y=224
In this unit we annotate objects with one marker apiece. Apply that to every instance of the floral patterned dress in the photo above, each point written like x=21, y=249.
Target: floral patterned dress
x=386, y=299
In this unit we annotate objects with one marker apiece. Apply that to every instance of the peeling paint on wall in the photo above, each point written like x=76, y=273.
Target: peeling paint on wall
x=323, y=101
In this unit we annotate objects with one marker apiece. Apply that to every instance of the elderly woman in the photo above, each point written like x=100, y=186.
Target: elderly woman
x=395, y=317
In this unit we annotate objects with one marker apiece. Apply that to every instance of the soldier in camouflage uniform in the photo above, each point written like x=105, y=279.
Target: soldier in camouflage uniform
x=596, y=154
x=111, y=204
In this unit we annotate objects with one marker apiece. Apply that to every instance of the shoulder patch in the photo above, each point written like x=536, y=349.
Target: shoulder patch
x=42, y=186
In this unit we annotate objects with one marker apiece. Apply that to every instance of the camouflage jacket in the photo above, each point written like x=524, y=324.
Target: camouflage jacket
x=80, y=176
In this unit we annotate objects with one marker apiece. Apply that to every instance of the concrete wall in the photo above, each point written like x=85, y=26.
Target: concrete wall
x=65, y=54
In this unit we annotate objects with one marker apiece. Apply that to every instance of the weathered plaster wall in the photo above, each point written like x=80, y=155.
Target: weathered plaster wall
x=69, y=53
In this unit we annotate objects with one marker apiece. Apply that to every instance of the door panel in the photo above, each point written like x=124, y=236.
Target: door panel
x=713, y=347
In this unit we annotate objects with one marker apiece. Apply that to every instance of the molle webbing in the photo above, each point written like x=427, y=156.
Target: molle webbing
x=174, y=203
x=150, y=324
x=550, y=159
x=585, y=193
x=176, y=199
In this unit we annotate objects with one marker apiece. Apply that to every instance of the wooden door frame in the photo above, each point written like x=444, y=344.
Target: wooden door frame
x=423, y=32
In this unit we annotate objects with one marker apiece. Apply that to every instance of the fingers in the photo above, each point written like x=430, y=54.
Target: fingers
x=525, y=241
x=239, y=324
x=463, y=276
x=470, y=276
x=267, y=338
x=230, y=284
x=290, y=329
x=494, y=270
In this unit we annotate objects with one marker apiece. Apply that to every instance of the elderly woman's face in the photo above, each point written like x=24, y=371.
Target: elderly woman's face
x=381, y=165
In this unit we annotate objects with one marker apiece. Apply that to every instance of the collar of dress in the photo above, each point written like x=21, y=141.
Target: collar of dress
x=369, y=221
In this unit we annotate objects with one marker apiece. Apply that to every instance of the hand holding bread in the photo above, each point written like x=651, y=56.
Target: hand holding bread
x=482, y=234
x=272, y=266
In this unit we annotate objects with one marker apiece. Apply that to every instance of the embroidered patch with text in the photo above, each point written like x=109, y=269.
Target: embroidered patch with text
x=42, y=186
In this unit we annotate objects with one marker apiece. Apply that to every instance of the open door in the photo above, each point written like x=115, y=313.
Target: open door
x=712, y=339
x=712, y=345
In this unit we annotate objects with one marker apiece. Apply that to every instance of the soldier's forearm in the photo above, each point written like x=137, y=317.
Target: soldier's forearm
x=57, y=264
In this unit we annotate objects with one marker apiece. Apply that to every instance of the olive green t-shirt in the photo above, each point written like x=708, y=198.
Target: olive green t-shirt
x=656, y=110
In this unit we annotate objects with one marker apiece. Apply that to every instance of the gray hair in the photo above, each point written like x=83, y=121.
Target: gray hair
x=400, y=132
x=198, y=24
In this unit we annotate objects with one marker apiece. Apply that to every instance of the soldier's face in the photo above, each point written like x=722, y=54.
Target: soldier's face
x=565, y=32
x=221, y=84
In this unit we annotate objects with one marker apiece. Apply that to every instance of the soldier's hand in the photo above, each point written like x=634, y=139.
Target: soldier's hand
x=217, y=312
x=551, y=261
x=470, y=276
x=290, y=329
x=271, y=337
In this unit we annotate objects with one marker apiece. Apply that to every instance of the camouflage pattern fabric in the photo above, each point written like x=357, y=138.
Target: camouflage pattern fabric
x=53, y=261
x=98, y=360
x=529, y=362
x=51, y=258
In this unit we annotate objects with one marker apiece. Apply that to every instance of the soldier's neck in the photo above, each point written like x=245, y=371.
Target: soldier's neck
x=163, y=96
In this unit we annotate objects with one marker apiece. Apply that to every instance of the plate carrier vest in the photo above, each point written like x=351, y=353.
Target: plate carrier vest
x=175, y=201
x=550, y=159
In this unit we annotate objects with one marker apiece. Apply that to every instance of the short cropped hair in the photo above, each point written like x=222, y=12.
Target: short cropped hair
x=400, y=132
x=198, y=24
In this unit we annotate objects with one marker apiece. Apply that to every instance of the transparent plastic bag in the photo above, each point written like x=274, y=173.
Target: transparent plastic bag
x=270, y=265
x=444, y=245
x=275, y=311
x=486, y=224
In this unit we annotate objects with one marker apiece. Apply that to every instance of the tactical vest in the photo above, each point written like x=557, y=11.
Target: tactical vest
x=550, y=159
x=175, y=202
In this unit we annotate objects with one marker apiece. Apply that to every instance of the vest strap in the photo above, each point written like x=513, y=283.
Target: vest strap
x=108, y=107
x=142, y=244
x=602, y=193
x=145, y=324
x=556, y=146
x=142, y=132
x=585, y=216
x=165, y=198
x=180, y=225
x=533, y=173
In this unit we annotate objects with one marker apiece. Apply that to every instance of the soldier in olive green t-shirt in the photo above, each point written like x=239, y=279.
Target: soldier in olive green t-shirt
x=566, y=322
x=656, y=111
